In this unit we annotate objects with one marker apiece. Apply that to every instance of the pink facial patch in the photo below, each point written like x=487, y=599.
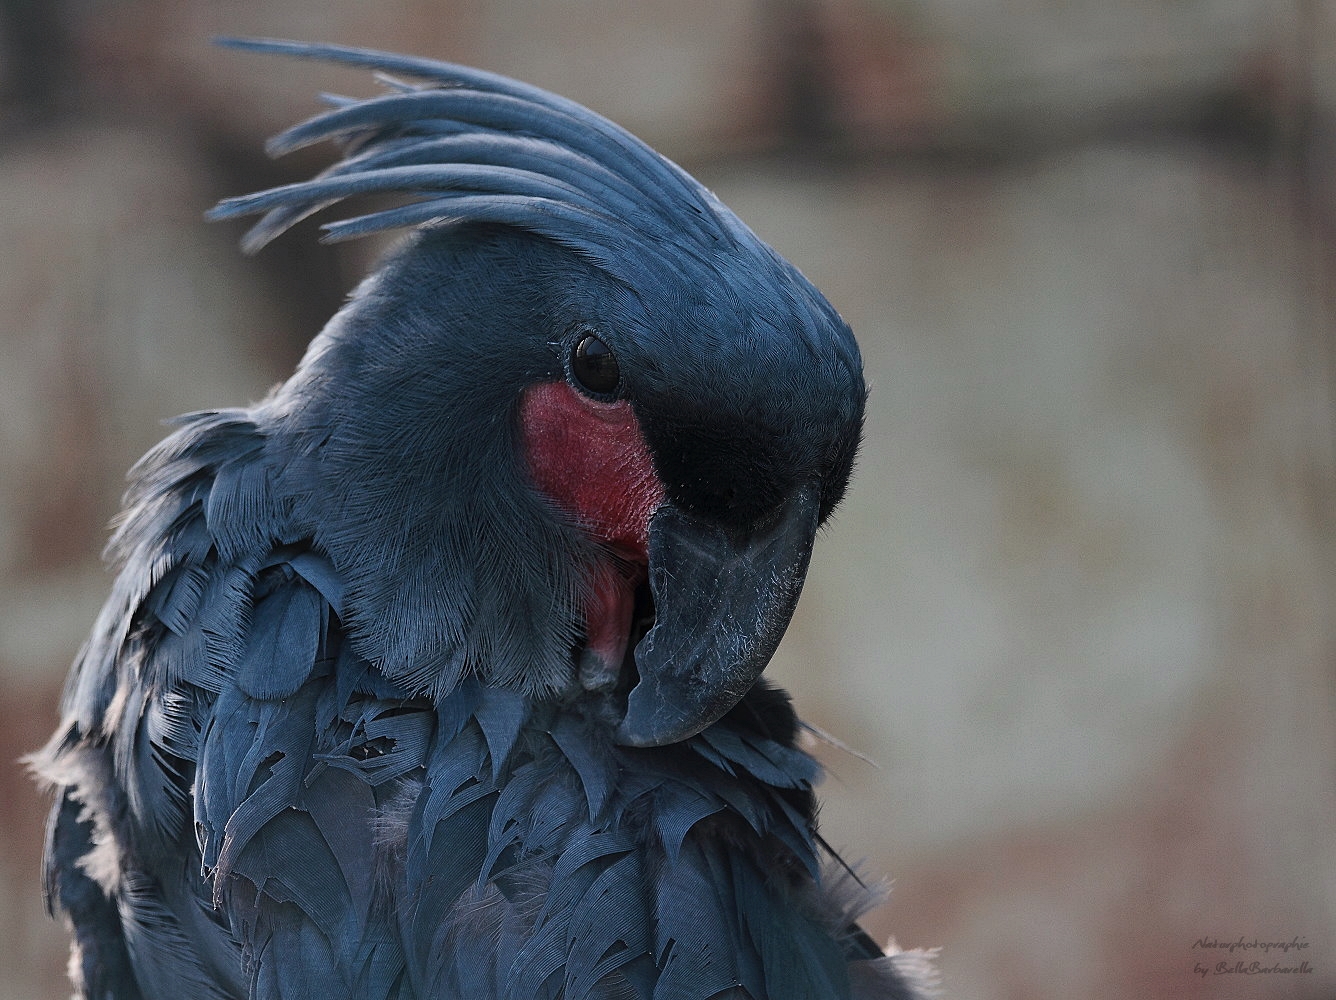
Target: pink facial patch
x=590, y=458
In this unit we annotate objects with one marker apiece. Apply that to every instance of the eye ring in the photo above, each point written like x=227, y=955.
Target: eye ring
x=594, y=369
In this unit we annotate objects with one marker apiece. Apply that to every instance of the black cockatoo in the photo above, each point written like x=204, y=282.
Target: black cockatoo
x=436, y=673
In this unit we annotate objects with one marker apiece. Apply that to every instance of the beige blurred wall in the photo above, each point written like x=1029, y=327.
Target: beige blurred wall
x=1078, y=604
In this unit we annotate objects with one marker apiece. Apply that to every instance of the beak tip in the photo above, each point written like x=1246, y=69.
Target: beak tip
x=722, y=605
x=629, y=738
x=649, y=722
x=657, y=715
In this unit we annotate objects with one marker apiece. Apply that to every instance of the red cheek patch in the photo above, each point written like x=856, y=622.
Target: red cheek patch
x=592, y=461
x=590, y=458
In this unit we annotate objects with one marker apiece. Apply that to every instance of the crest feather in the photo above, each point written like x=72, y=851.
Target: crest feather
x=471, y=146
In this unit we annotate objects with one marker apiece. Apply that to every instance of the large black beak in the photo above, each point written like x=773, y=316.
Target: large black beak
x=722, y=600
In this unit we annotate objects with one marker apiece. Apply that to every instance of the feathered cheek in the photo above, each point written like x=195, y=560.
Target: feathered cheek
x=591, y=460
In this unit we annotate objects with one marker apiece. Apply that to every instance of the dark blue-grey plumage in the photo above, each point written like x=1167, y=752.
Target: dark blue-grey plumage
x=329, y=738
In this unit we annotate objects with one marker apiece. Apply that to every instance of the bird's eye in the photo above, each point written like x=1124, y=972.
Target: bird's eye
x=594, y=367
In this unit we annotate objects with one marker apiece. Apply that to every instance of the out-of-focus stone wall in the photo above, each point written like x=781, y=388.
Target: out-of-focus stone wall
x=1090, y=648
x=1078, y=604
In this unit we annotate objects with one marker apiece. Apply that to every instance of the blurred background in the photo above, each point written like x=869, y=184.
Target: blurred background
x=1077, y=612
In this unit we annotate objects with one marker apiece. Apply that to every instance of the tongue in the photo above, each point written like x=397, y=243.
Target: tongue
x=608, y=615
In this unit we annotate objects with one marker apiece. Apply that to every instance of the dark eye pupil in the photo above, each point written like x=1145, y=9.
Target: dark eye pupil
x=595, y=366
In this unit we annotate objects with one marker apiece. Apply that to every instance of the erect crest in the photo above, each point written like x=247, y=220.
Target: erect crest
x=468, y=146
